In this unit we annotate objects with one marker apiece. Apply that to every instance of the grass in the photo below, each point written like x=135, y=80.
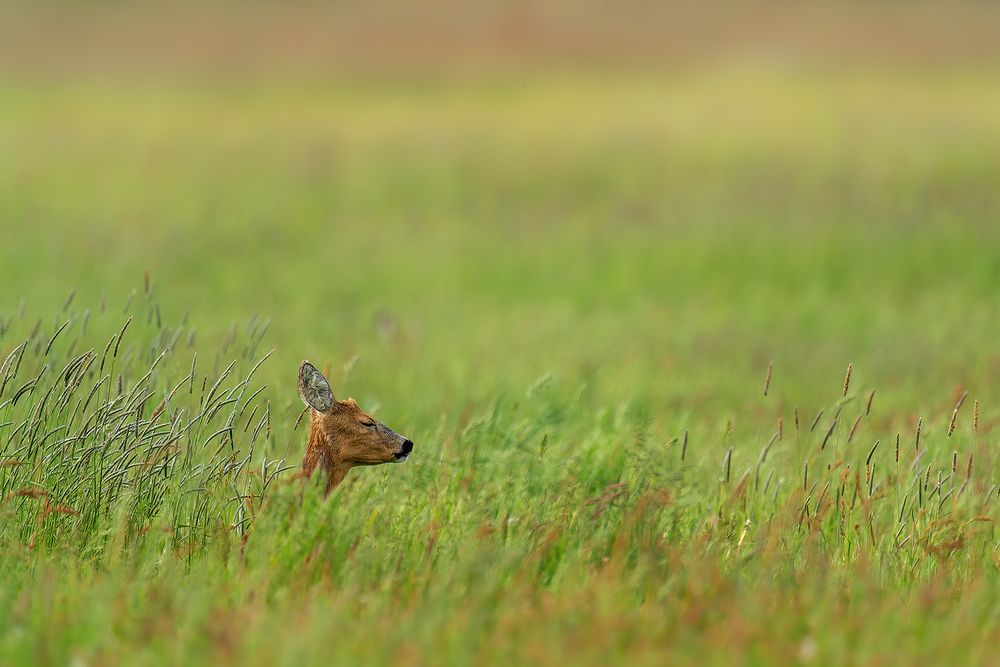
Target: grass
x=571, y=293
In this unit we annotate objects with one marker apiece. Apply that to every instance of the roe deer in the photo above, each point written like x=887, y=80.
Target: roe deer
x=341, y=434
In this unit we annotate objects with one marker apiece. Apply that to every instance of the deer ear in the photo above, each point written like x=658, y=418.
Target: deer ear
x=314, y=389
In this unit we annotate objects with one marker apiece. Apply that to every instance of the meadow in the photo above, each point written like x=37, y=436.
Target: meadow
x=615, y=314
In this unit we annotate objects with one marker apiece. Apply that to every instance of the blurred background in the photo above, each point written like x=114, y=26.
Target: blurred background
x=652, y=200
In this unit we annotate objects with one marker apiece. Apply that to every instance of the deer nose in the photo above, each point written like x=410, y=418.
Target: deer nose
x=407, y=447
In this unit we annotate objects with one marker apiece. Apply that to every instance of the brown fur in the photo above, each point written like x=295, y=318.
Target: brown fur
x=343, y=435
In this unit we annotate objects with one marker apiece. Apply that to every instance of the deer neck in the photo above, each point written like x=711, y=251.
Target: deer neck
x=320, y=452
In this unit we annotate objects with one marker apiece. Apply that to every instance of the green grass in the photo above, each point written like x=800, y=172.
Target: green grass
x=568, y=292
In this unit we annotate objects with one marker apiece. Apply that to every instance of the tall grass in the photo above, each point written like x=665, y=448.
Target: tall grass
x=567, y=294
x=104, y=439
x=130, y=452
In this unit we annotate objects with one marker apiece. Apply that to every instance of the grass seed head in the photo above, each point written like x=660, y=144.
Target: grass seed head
x=819, y=415
x=954, y=414
x=854, y=428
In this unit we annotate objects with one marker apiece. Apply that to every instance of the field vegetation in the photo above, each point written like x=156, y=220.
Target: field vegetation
x=699, y=366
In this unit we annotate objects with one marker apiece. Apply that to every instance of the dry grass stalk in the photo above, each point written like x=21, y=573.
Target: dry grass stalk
x=829, y=432
x=816, y=421
x=954, y=413
x=850, y=436
x=746, y=527
x=767, y=448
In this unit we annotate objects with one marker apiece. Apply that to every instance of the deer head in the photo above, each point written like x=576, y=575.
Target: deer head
x=341, y=434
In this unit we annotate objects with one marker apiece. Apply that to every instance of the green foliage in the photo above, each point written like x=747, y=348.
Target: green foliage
x=568, y=294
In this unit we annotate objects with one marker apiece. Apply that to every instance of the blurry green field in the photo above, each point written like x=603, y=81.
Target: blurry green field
x=551, y=284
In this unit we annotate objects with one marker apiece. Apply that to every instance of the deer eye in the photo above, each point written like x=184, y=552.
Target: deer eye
x=368, y=424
